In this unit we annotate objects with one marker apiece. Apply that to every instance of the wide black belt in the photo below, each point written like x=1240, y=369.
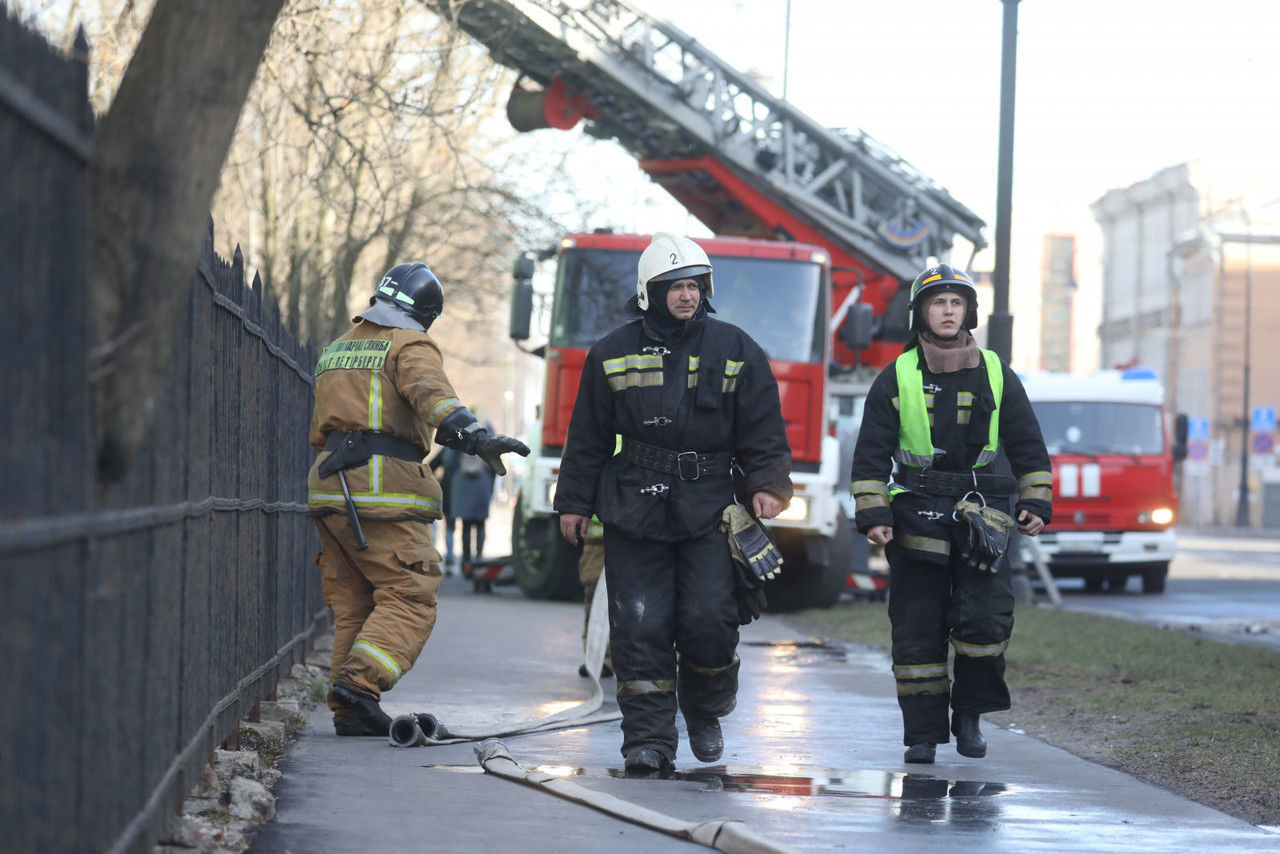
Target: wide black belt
x=954, y=483
x=353, y=448
x=687, y=465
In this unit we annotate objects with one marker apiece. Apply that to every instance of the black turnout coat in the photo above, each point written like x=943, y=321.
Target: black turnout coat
x=710, y=389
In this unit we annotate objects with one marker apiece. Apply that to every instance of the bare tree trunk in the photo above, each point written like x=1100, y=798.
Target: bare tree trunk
x=157, y=157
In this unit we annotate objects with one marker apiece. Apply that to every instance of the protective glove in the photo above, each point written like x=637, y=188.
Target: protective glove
x=749, y=544
x=491, y=446
x=986, y=536
x=748, y=593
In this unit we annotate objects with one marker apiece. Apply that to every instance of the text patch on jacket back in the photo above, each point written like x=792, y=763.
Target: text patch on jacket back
x=362, y=354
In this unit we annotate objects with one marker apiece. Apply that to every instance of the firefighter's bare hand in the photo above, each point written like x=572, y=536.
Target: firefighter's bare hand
x=880, y=534
x=1029, y=523
x=766, y=505
x=573, y=528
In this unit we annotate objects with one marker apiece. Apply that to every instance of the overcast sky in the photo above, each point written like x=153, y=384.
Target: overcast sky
x=1108, y=93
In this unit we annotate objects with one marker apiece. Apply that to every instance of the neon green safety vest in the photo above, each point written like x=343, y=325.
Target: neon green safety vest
x=915, y=441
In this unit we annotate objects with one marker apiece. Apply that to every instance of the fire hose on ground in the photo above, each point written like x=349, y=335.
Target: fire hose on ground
x=420, y=729
x=722, y=834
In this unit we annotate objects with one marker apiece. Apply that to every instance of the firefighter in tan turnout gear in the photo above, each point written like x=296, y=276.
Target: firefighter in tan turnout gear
x=956, y=422
x=381, y=394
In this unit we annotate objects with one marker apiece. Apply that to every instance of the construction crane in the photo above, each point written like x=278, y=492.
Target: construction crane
x=744, y=162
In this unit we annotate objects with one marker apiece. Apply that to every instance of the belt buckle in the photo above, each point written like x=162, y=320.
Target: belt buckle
x=681, y=460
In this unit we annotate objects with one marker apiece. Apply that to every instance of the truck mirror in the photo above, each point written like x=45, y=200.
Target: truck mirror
x=893, y=325
x=1180, y=437
x=856, y=329
x=521, y=310
x=523, y=268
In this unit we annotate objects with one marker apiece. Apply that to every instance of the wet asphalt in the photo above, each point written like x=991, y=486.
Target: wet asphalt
x=813, y=761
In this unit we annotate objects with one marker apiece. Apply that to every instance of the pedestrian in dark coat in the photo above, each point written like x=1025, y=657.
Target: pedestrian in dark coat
x=471, y=492
x=445, y=466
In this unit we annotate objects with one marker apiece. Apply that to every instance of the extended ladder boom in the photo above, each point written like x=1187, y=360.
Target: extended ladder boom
x=667, y=98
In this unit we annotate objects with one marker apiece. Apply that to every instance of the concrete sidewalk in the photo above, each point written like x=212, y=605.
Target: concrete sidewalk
x=813, y=760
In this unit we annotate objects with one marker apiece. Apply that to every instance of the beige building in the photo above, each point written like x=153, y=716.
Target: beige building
x=1057, y=298
x=1191, y=287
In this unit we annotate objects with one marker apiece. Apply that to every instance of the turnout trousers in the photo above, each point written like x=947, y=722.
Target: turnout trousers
x=383, y=598
x=932, y=605
x=673, y=624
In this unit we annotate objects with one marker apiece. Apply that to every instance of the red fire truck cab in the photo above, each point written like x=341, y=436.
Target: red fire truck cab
x=1113, y=452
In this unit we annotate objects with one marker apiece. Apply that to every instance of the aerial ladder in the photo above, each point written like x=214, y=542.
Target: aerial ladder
x=743, y=161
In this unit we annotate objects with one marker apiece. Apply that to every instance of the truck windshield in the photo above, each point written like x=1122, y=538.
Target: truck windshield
x=1100, y=427
x=777, y=302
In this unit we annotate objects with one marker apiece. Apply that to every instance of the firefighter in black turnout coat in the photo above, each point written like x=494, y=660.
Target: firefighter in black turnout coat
x=958, y=425
x=690, y=396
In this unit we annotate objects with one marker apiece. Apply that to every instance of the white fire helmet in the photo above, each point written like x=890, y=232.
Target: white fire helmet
x=668, y=258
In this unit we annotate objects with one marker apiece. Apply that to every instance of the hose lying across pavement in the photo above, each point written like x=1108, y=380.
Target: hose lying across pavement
x=423, y=729
x=722, y=834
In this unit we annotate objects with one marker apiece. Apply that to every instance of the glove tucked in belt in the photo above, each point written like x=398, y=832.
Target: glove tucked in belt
x=986, y=536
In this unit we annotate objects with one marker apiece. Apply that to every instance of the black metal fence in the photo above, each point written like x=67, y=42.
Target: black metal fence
x=139, y=623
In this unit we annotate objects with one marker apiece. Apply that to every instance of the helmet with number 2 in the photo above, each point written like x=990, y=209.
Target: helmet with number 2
x=668, y=258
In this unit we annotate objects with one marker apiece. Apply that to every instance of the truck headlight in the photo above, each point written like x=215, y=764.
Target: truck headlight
x=551, y=493
x=797, y=510
x=1159, y=516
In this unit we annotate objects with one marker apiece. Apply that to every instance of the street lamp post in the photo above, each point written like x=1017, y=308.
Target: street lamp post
x=1000, y=324
x=1242, y=499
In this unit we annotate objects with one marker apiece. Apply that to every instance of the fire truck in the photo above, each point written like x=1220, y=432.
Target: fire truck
x=846, y=222
x=1113, y=448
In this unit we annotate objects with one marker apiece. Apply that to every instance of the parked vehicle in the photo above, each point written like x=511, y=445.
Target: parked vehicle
x=1114, y=448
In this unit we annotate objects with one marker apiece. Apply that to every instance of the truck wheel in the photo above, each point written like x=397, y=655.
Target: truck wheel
x=546, y=567
x=1153, y=576
x=807, y=583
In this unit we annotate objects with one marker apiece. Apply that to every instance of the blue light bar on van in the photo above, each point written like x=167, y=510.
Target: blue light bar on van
x=1139, y=373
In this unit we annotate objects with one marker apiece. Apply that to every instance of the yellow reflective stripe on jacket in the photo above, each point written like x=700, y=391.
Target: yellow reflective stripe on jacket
x=375, y=499
x=441, y=410
x=980, y=650
x=634, y=370
x=379, y=656
x=731, y=371
x=633, y=362
x=915, y=441
x=1036, y=485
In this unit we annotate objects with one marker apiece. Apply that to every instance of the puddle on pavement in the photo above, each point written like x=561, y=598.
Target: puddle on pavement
x=803, y=652
x=806, y=782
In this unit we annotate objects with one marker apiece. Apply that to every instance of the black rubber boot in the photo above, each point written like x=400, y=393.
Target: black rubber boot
x=921, y=753
x=645, y=763
x=969, y=740
x=360, y=711
x=705, y=738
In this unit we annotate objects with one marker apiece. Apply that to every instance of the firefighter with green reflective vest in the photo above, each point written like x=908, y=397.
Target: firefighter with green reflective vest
x=949, y=459
x=381, y=394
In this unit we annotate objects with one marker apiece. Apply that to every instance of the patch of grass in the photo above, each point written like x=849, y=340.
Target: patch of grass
x=1192, y=715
